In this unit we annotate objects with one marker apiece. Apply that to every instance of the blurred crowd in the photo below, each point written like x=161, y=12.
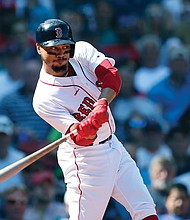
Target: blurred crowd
x=149, y=40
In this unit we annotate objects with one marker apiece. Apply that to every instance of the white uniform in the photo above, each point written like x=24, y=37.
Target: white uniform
x=95, y=173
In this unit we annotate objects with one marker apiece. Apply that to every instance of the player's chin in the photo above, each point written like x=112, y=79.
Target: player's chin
x=58, y=69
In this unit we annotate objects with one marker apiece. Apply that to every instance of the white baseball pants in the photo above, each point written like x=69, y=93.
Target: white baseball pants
x=94, y=174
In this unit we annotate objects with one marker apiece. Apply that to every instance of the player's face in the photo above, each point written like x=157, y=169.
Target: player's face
x=55, y=58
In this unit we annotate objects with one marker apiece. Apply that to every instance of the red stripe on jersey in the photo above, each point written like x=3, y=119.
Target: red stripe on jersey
x=68, y=86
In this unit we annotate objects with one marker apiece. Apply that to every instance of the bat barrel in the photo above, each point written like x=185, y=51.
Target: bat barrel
x=19, y=165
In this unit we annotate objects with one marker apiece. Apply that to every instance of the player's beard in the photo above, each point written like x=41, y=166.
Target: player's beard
x=59, y=69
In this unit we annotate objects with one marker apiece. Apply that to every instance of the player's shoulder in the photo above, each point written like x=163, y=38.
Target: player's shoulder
x=82, y=45
x=84, y=49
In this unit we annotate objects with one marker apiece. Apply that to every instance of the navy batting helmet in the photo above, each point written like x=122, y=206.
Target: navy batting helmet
x=54, y=32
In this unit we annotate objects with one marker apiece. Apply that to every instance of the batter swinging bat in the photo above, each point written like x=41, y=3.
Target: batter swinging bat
x=19, y=165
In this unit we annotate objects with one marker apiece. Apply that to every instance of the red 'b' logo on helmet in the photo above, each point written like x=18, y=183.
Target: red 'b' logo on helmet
x=59, y=32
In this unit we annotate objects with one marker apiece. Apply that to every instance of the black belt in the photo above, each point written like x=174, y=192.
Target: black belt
x=107, y=139
x=104, y=141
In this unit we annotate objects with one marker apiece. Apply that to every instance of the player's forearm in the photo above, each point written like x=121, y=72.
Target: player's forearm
x=108, y=93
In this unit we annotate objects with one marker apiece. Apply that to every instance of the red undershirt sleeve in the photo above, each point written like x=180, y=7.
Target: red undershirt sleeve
x=108, y=76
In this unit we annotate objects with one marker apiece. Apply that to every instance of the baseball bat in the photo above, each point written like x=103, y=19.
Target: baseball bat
x=19, y=165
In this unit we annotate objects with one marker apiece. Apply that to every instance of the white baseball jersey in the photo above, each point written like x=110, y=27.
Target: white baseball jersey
x=95, y=173
x=62, y=101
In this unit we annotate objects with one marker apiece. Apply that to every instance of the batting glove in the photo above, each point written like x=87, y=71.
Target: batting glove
x=99, y=113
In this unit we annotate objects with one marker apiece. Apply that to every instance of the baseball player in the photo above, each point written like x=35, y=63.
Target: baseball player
x=76, y=85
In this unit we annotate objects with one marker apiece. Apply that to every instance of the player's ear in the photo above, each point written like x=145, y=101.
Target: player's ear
x=38, y=48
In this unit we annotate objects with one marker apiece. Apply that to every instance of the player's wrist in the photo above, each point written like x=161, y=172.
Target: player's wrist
x=84, y=141
x=102, y=101
x=91, y=137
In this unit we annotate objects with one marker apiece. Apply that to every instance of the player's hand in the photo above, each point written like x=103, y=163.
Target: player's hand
x=99, y=113
x=87, y=129
x=86, y=132
x=100, y=105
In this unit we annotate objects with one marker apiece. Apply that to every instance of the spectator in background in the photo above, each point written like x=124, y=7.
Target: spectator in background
x=177, y=203
x=183, y=25
x=35, y=14
x=131, y=146
x=105, y=18
x=124, y=51
x=162, y=172
x=78, y=23
x=171, y=93
x=7, y=17
x=12, y=66
x=153, y=145
x=124, y=99
x=43, y=205
x=15, y=203
x=175, y=7
x=184, y=120
x=8, y=153
x=134, y=126
x=178, y=140
x=129, y=102
x=158, y=21
x=21, y=37
x=150, y=72
x=184, y=179
x=31, y=130
x=166, y=47
x=50, y=5
x=134, y=7
x=115, y=211
x=29, y=171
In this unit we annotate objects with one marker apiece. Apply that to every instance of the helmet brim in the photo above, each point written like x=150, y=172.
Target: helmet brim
x=56, y=42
